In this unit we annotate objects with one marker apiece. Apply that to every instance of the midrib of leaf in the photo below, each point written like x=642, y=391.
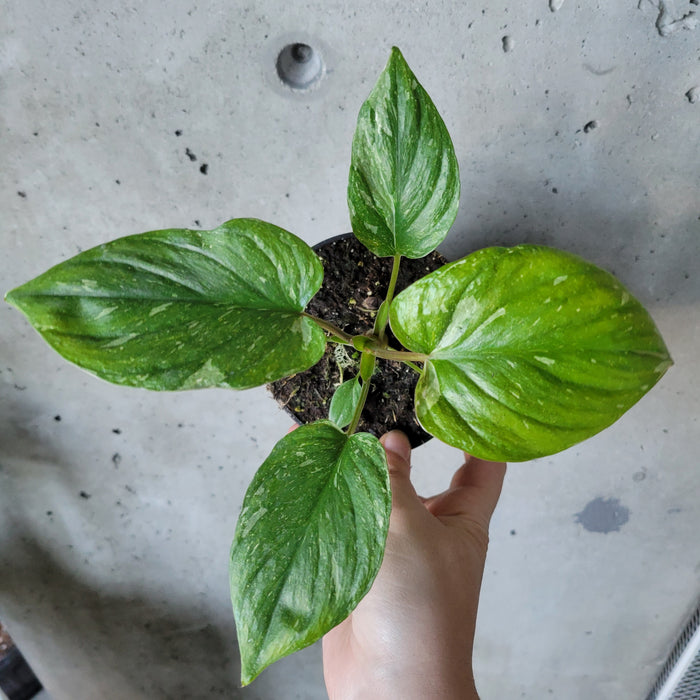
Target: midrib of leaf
x=146, y=332
x=322, y=498
x=450, y=355
x=397, y=218
x=209, y=301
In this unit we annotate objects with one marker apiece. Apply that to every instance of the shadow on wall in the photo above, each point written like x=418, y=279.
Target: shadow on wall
x=21, y=438
x=135, y=644
x=149, y=648
x=616, y=231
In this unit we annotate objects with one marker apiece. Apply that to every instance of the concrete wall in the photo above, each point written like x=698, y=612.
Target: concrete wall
x=575, y=125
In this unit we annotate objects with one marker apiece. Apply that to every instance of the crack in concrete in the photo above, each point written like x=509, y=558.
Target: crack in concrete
x=670, y=19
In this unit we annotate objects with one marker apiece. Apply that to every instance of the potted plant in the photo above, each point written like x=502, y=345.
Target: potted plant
x=517, y=352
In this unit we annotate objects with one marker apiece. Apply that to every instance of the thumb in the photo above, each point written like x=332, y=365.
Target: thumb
x=398, y=457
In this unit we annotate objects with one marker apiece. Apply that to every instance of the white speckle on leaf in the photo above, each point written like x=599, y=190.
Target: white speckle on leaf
x=625, y=298
x=251, y=522
x=206, y=375
x=544, y=360
x=494, y=316
x=560, y=307
x=547, y=300
x=510, y=363
x=162, y=307
x=594, y=361
x=561, y=279
x=89, y=284
x=106, y=312
x=116, y=342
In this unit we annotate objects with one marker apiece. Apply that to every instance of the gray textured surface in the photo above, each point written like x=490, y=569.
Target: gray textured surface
x=123, y=594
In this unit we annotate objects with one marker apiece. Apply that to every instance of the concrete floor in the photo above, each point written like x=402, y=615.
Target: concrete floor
x=117, y=506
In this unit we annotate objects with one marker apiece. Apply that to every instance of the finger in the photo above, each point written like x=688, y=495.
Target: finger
x=473, y=493
x=398, y=457
x=480, y=473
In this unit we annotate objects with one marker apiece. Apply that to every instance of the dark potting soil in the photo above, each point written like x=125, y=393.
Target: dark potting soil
x=354, y=285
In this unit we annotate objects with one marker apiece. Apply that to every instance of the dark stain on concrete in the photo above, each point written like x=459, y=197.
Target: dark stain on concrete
x=603, y=515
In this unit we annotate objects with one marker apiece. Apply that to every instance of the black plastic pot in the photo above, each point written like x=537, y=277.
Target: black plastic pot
x=17, y=680
x=355, y=283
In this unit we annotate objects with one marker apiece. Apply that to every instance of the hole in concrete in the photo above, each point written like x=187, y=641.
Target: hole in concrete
x=299, y=66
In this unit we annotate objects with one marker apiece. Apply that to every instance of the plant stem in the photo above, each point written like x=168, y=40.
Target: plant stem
x=400, y=355
x=414, y=367
x=333, y=330
x=360, y=405
x=381, y=332
x=394, y=277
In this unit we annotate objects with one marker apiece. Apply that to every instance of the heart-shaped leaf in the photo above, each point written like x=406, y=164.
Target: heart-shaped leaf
x=403, y=190
x=183, y=309
x=531, y=350
x=309, y=541
x=344, y=402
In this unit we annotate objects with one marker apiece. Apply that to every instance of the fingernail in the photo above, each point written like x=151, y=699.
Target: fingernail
x=396, y=441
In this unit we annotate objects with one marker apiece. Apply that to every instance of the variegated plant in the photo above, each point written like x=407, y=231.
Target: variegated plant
x=521, y=352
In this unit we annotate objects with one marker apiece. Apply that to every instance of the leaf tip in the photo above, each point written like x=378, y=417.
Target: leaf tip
x=11, y=297
x=247, y=678
x=396, y=58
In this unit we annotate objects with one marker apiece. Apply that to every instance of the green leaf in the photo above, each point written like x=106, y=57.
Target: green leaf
x=183, y=309
x=309, y=541
x=531, y=351
x=344, y=402
x=404, y=184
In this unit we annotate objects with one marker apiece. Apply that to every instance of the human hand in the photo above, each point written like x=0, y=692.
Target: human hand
x=412, y=635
